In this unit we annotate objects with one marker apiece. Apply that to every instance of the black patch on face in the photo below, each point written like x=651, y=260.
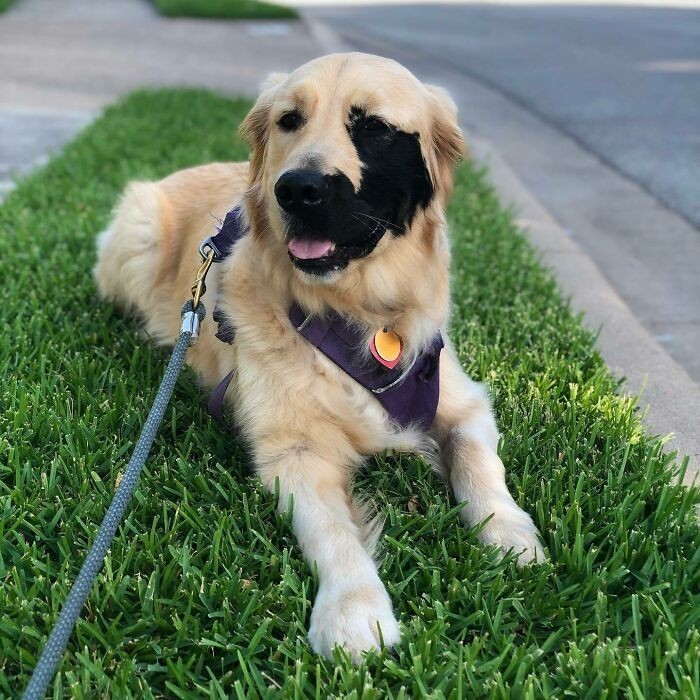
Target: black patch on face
x=395, y=180
x=395, y=184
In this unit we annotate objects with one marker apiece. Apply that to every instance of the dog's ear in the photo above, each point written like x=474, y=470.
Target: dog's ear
x=255, y=126
x=448, y=146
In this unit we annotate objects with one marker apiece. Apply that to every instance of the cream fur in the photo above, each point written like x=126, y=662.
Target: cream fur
x=309, y=425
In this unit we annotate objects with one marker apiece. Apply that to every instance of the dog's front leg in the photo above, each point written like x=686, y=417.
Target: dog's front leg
x=466, y=432
x=352, y=607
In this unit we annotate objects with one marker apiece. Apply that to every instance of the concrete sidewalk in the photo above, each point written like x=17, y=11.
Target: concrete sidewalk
x=61, y=62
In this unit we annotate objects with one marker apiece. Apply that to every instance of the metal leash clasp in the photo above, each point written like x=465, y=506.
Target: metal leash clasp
x=191, y=319
x=210, y=254
x=199, y=286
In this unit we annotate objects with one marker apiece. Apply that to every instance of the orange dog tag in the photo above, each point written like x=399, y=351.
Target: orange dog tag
x=387, y=347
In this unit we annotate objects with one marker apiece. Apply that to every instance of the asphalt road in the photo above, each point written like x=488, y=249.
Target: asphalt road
x=597, y=111
x=624, y=81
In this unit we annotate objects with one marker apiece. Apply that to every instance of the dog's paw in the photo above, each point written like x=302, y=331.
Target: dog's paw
x=352, y=617
x=513, y=529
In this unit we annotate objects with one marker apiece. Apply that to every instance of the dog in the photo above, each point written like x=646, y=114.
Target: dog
x=343, y=216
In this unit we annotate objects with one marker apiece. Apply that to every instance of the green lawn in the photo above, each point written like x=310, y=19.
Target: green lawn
x=5, y=4
x=205, y=593
x=224, y=9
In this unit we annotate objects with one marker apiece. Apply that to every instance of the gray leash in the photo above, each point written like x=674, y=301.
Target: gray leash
x=58, y=639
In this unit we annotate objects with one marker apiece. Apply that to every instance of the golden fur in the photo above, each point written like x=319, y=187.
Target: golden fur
x=309, y=425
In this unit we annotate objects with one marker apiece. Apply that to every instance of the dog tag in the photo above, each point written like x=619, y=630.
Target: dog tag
x=387, y=347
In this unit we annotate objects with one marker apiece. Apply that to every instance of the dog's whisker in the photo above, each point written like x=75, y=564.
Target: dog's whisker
x=364, y=223
x=376, y=218
x=216, y=218
x=371, y=218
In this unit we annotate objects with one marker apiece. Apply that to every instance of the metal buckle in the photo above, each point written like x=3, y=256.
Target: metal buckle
x=209, y=243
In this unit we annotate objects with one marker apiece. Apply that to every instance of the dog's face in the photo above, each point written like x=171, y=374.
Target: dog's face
x=346, y=151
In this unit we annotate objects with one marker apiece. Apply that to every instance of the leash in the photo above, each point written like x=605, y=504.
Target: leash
x=193, y=313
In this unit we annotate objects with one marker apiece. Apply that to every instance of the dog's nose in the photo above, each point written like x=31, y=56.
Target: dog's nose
x=297, y=190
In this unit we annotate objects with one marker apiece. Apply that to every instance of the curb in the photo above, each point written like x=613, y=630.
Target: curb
x=667, y=396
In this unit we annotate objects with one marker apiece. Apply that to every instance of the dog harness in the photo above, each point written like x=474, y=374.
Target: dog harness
x=410, y=396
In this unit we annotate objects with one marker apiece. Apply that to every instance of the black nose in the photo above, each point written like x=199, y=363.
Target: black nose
x=297, y=190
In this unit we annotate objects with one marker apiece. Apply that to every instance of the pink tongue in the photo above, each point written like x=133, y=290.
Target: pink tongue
x=309, y=249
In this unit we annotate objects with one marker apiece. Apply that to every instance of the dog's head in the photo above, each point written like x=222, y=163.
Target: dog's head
x=346, y=151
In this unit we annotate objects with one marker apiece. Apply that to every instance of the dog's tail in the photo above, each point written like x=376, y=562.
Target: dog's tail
x=130, y=251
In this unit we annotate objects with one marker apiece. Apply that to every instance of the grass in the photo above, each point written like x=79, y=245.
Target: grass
x=205, y=593
x=224, y=9
x=5, y=4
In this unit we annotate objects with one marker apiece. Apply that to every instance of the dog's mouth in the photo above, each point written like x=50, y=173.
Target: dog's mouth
x=311, y=248
x=317, y=256
x=320, y=256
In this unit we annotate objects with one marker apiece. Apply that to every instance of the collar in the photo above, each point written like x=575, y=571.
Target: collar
x=409, y=395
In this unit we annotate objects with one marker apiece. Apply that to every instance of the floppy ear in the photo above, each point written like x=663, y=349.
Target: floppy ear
x=448, y=144
x=255, y=126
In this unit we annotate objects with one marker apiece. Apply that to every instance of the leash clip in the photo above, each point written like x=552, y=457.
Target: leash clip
x=199, y=286
x=210, y=254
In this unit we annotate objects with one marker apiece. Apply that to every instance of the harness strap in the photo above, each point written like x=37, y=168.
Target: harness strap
x=409, y=395
x=232, y=230
x=215, y=405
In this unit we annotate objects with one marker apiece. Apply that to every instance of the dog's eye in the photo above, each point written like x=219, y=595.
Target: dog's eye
x=290, y=121
x=374, y=124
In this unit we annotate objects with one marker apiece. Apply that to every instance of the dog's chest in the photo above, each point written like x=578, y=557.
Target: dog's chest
x=333, y=365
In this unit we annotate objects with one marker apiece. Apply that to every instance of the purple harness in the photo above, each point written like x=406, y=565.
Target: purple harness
x=410, y=396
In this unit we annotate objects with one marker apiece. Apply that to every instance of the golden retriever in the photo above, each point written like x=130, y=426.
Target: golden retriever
x=343, y=200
